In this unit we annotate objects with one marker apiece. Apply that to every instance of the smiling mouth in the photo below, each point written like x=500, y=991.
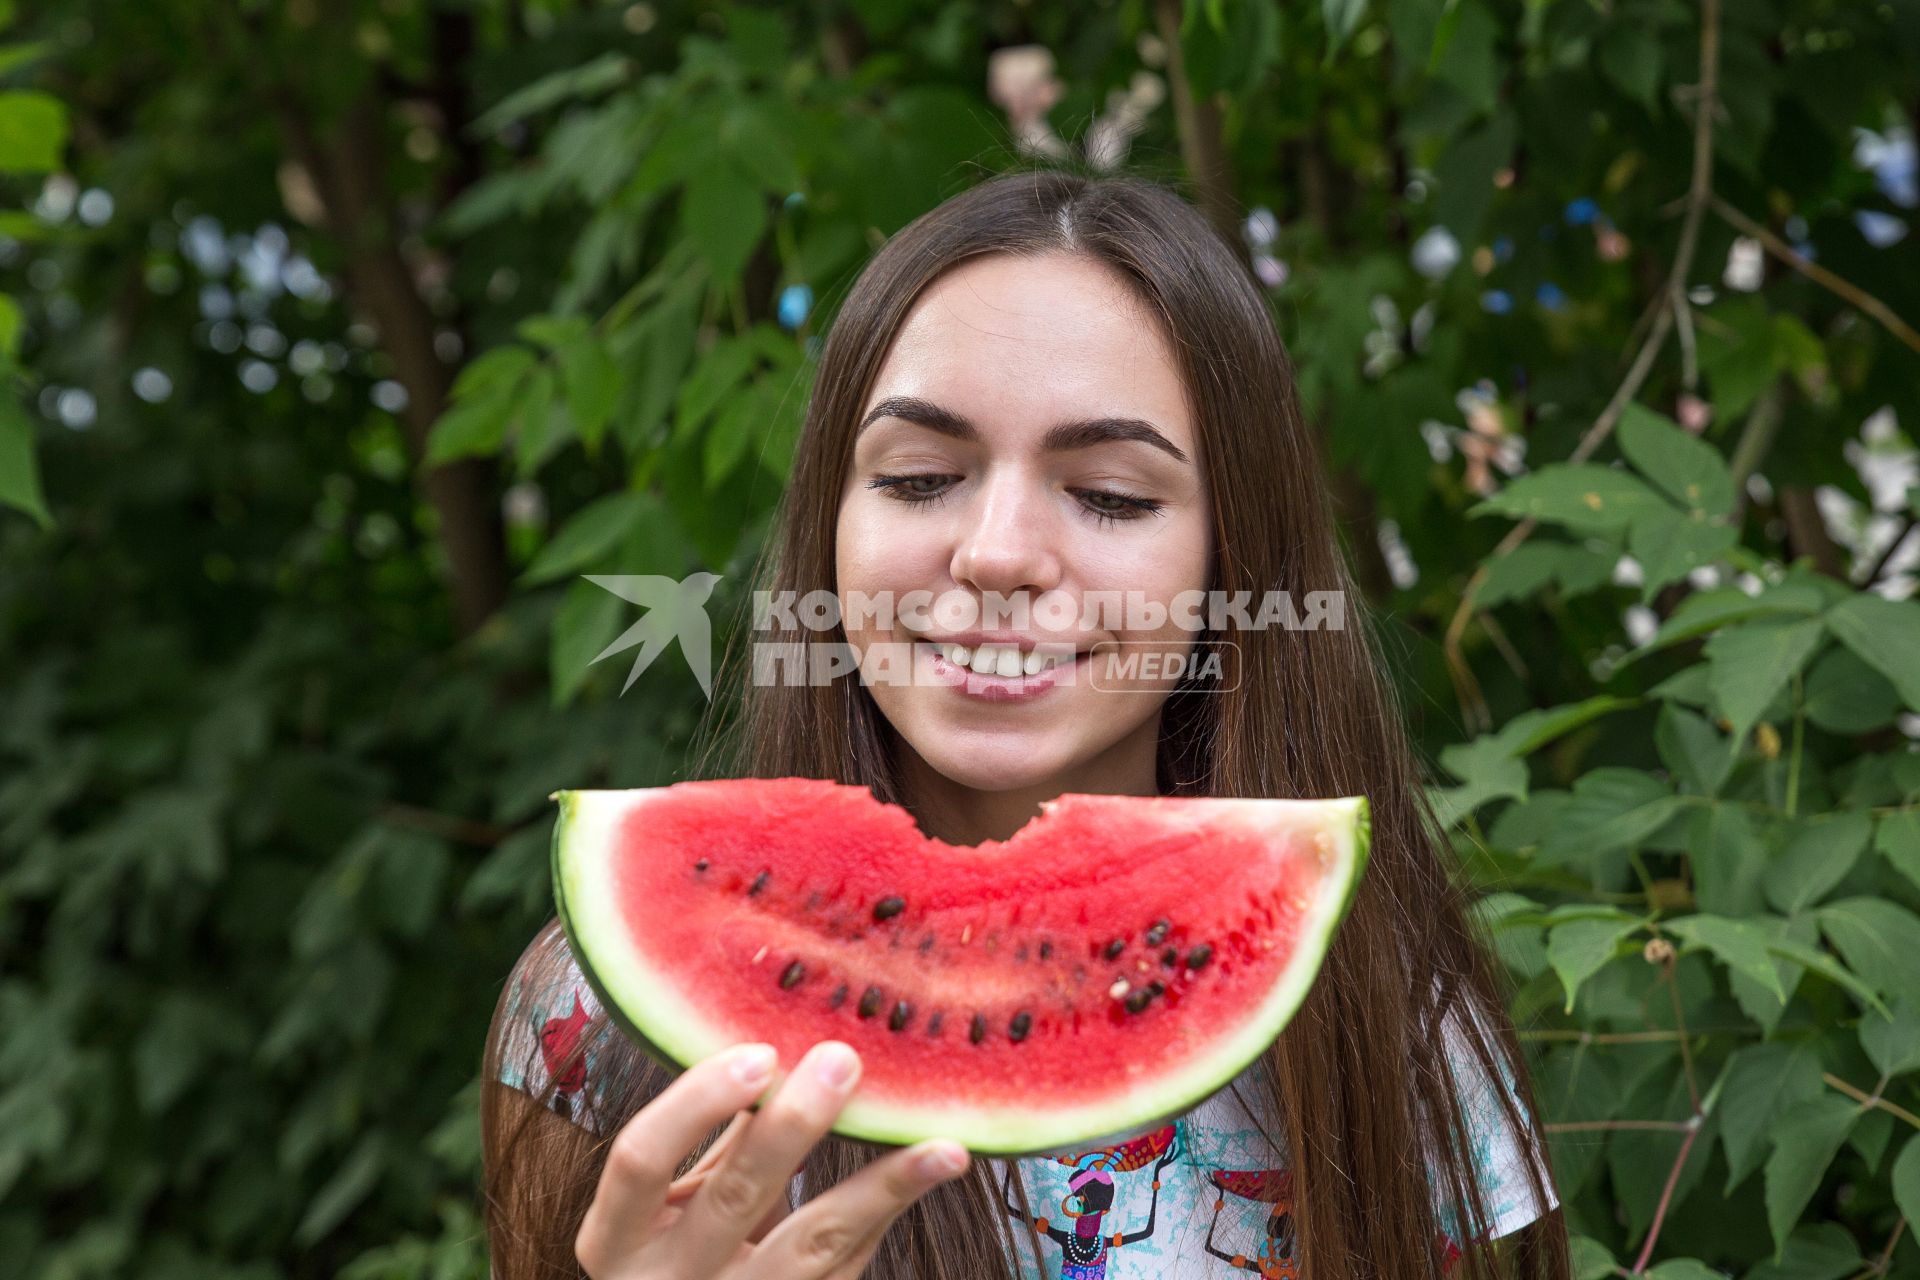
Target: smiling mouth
x=1003, y=660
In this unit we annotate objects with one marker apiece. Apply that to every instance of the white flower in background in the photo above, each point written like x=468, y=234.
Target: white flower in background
x=1111, y=135
x=1436, y=253
x=1744, y=265
x=1020, y=81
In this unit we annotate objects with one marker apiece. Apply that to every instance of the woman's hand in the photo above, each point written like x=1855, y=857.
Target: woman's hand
x=721, y=1221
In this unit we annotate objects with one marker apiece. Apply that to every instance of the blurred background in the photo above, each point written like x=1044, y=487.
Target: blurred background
x=341, y=337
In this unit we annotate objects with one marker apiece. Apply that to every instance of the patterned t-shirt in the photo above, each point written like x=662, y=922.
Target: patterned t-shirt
x=1224, y=1194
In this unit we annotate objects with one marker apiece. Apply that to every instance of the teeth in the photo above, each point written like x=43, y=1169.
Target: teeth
x=1001, y=659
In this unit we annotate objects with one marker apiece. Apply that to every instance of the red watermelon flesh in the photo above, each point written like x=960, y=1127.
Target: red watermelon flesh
x=1112, y=964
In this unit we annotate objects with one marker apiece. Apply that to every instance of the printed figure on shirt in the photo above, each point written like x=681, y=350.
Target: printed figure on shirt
x=1090, y=1194
x=1274, y=1259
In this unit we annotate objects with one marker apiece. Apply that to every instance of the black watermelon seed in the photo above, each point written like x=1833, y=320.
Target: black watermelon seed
x=1115, y=947
x=1018, y=1028
x=1170, y=957
x=839, y=996
x=933, y=1023
x=978, y=1032
x=1139, y=1000
x=888, y=908
x=1157, y=934
x=759, y=883
x=1199, y=956
x=700, y=865
x=901, y=1015
x=1157, y=987
x=791, y=978
x=926, y=944
x=1046, y=950
x=870, y=1002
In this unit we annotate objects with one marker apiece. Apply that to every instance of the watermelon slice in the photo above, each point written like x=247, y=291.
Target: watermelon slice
x=1110, y=966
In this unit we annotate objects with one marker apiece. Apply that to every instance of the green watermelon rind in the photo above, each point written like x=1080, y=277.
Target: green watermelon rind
x=667, y=1039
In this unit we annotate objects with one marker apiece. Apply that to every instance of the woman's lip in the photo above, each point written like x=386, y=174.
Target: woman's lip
x=996, y=688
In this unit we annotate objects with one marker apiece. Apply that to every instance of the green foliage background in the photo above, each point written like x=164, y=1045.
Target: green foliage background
x=291, y=654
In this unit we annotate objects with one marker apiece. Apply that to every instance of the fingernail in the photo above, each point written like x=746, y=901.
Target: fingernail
x=754, y=1064
x=834, y=1064
x=943, y=1160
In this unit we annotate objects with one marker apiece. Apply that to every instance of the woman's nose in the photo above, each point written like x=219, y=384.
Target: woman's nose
x=1012, y=542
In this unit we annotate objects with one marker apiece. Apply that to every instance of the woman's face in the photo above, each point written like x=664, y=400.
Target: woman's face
x=956, y=491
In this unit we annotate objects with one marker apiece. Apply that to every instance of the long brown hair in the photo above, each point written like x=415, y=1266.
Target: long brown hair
x=1361, y=1076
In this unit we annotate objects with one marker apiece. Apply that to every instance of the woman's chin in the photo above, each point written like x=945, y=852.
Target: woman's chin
x=1010, y=766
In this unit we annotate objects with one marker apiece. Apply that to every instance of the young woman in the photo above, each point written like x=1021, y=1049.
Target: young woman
x=1053, y=385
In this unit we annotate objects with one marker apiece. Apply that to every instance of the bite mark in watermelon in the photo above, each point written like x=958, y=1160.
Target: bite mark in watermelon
x=1115, y=962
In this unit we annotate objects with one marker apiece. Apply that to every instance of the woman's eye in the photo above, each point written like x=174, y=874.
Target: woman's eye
x=1103, y=505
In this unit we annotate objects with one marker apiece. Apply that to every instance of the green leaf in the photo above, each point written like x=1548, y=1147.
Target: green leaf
x=1816, y=1251
x=1897, y=839
x=554, y=332
x=541, y=422
x=1688, y=686
x=1590, y=1259
x=9, y=327
x=1906, y=1179
x=1752, y=663
x=497, y=369
x=1706, y=611
x=1728, y=860
x=1578, y=949
x=1611, y=809
x=1684, y=1269
x=1692, y=748
x=1669, y=546
x=589, y=79
x=1630, y=56
x=597, y=528
x=1472, y=62
x=1823, y=964
x=33, y=132
x=1490, y=771
x=1342, y=18
x=1893, y=1043
x=1520, y=943
x=1523, y=572
x=588, y=620
x=1879, y=940
x=1886, y=634
x=592, y=385
x=1584, y=496
x=350, y=1184
x=19, y=468
x=1871, y=1136
x=1531, y=730
x=746, y=418
x=1818, y=855
x=723, y=213
x=1761, y=1081
x=1806, y=1137
x=1737, y=354
x=1686, y=468
x=1845, y=695
x=472, y=427
x=1737, y=944
x=1766, y=1003
x=714, y=378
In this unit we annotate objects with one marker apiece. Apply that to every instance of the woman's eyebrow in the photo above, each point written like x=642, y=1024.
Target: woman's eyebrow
x=1063, y=436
